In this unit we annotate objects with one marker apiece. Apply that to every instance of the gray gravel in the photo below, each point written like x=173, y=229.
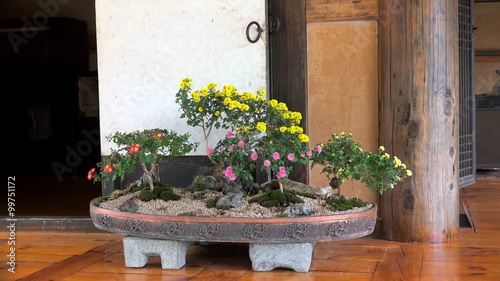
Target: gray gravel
x=197, y=206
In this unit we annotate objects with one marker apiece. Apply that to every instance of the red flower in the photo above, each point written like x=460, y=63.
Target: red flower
x=108, y=168
x=158, y=135
x=134, y=148
x=90, y=175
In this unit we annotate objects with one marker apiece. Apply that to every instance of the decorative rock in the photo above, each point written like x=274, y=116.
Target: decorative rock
x=294, y=186
x=129, y=207
x=335, y=197
x=299, y=210
x=203, y=182
x=137, y=251
x=296, y=256
x=231, y=199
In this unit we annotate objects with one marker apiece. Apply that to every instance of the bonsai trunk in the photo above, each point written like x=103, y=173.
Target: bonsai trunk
x=149, y=176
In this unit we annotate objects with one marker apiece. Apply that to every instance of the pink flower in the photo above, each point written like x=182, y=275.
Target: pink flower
x=281, y=173
x=276, y=155
x=209, y=150
x=309, y=153
x=231, y=148
x=228, y=172
x=302, y=155
x=229, y=134
x=267, y=163
x=318, y=148
x=254, y=156
x=241, y=144
x=290, y=156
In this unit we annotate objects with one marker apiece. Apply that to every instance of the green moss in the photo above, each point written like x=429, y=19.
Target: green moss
x=342, y=204
x=147, y=195
x=162, y=191
x=135, y=188
x=223, y=207
x=162, y=184
x=211, y=203
x=97, y=201
x=186, y=214
x=276, y=198
x=168, y=195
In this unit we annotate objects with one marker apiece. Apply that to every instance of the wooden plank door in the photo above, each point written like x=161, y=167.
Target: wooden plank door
x=287, y=61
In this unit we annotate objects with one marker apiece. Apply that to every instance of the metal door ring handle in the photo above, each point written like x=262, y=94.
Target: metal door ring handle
x=259, y=31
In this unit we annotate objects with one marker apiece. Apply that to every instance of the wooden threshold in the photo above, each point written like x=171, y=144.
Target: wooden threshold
x=51, y=223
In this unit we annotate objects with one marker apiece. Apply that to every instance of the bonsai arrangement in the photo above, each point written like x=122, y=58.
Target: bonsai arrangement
x=261, y=136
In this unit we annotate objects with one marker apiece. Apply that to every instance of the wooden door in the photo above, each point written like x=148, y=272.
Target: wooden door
x=287, y=60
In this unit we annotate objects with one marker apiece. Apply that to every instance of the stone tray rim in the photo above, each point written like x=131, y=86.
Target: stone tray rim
x=237, y=229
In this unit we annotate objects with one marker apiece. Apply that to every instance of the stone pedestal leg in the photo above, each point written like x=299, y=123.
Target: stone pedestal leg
x=296, y=256
x=137, y=251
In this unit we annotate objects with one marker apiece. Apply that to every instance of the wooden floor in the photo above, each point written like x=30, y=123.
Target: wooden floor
x=475, y=255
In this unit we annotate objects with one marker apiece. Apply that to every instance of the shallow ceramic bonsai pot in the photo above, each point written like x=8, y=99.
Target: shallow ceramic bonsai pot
x=274, y=242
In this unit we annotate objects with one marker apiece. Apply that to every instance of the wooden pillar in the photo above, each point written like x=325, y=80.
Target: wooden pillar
x=418, y=122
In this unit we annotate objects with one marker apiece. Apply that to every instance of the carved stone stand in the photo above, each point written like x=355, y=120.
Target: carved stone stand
x=296, y=256
x=137, y=251
x=264, y=257
x=273, y=242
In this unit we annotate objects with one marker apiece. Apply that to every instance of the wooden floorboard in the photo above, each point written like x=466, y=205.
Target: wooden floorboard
x=474, y=255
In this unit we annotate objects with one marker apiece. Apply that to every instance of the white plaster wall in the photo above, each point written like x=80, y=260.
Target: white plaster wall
x=146, y=47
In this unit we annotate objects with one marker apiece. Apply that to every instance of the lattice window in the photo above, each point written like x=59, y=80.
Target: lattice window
x=467, y=160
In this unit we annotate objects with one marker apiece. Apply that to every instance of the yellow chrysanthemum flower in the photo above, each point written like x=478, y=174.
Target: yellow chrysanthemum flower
x=217, y=113
x=204, y=92
x=200, y=109
x=409, y=173
x=283, y=129
x=396, y=162
x=282, y=106
x=212, y=85
x=261, y=126
x=303, y=138
x=186, y=83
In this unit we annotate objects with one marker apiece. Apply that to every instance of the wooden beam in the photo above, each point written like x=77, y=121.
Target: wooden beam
x=418, y=97
x=334, y=10
x=487, y=59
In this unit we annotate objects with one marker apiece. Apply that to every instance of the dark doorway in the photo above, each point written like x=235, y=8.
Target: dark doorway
x=49, y=84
